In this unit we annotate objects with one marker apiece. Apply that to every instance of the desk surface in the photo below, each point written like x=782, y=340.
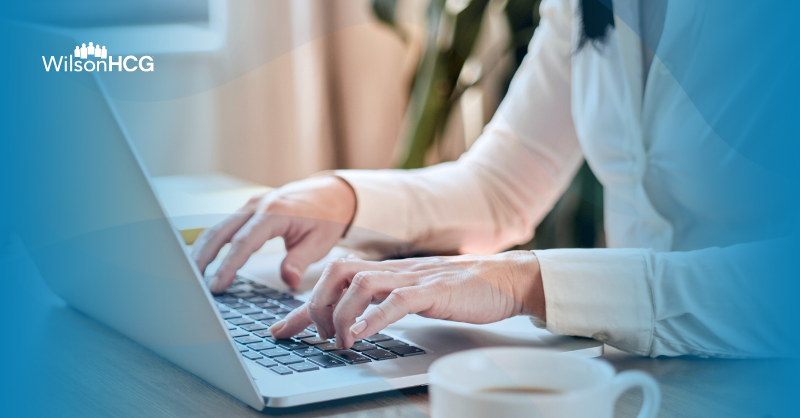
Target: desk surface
x=98, y=372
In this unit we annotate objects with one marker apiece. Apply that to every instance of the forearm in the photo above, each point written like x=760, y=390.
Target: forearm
x=501, y=188
x=489, y=200
x=437, y=210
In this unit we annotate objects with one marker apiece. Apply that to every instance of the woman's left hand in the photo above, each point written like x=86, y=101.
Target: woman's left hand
x=468, y=288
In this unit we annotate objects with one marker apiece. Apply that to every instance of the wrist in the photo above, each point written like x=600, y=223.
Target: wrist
x=324, y=198
x=528, y=288
x=344, y=205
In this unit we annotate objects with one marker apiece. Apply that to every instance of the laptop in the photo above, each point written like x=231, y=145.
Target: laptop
x=110, y=237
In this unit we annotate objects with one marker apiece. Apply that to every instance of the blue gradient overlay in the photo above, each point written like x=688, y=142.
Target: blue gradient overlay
x=737, y=61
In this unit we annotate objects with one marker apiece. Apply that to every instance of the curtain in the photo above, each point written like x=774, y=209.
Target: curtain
x=310, y=85
x=293, y=87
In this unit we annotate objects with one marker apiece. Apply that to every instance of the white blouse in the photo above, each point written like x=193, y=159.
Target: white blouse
x=680, y=223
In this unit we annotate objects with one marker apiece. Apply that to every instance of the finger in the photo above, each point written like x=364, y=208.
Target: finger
x=324, y=322
x=244, y=243
x=210, y=241
x=337, y=276
x=293, y=324
x=401, y=302
x=299, y=256
x=366, y=287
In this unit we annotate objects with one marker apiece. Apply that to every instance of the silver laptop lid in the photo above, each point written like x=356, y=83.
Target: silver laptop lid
x=87, y=214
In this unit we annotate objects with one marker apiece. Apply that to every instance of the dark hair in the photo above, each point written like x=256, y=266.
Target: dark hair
x=597, y=17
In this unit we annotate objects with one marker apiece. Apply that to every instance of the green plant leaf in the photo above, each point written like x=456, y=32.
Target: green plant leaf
x=437, y=75
x=384, y=10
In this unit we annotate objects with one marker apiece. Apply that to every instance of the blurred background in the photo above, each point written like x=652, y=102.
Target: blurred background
x=274, y=91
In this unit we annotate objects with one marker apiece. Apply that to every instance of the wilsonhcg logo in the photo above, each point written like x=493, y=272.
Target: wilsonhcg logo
x=81, y=60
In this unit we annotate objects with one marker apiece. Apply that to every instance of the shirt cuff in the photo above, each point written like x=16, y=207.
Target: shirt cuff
x=380, y=225
x=599, y=293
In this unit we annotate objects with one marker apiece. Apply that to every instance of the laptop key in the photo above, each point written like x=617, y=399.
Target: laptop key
x=248, y=311
x=292, y=303
x=362, y=347
x=236, y=333
x=267, y=362
x=253, y=355
x=236, y=305
x=261, y=346
x=248, y=340
x=290, y=359
x=305, y=334
x=327, y=347
x=307, y=352
x=385, y=344
x=243, y=295
x=350, y=356
x=256, y=299
x=281, y=370
x=304, y=367
x=315, y=341
x=282, y=340
x=254, y=327
x=408, y=351
x=230, y=327
x=260, y=316
x=263, y=333
x=270, y=322
x=278, y=311
x=291, y=346
x=242, y=348
x=379, y=354
x=229, y=315
x=240, y=321
x=268, y=305
x=275, y=352
x=326, y=361
x=375, y=338
x=257, y=286
x=239, y=288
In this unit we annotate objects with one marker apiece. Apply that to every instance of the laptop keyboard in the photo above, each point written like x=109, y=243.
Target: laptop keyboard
x=250, y=308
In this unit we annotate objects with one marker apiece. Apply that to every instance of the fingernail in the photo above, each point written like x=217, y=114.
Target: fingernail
x=296, y=272
x=277, y=326
x=298, y=275
x=339, y=343
x=358, y=327
x=214, y=286
x=322, y=334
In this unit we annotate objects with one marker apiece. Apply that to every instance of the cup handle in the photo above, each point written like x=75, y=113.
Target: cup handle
x=652, y=393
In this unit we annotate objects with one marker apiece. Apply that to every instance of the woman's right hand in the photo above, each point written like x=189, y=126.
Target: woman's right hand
x=311, y=215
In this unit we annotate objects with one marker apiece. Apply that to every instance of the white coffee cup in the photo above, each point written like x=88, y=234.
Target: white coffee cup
x=529, y=382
